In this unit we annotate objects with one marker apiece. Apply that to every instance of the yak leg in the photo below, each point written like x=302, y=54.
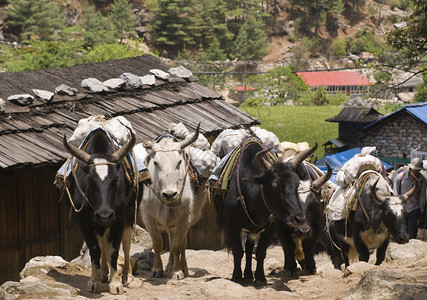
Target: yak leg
x=127, y=268
x=248, y=275
x=261, y=252
x=184, y=266
x=176, y=240
x=361, y=248
x=381, y=252
x=156, y=238
x=309, y=263
x=236, y=248
x=288, y=246
x=95, y=282
x=115, y=286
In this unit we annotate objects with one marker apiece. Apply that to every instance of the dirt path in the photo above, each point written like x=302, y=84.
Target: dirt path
x=210, y=271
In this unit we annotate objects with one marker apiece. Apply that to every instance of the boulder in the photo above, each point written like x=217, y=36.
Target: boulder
x=115, y=83
x=180, y=72
x=65, y=90
x=385, y=284
x=94, y=85
x=132, y=80
x=42, y=94
x=148, y=79
x=160, y=74
x=22, y=99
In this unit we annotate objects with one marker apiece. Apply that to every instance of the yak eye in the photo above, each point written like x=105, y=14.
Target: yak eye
x=156, y=163
x=275, y=185
x=179, y=164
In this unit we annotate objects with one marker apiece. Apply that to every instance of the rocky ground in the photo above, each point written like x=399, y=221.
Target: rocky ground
x=402, y=276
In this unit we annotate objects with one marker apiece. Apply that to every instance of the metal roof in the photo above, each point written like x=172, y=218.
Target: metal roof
x=356, y=114
x=418, y=110
x=32, y=135
x=337, y=160
x=331, y=78
x=337, y=142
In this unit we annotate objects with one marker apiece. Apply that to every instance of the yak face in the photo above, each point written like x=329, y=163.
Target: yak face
x=105, y=186
x=392, y=210
x=101, y=176
x=393, y=215
x=280, y=192
x=167, y=167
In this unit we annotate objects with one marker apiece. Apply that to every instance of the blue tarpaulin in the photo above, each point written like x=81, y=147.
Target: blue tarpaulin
x=337, y=160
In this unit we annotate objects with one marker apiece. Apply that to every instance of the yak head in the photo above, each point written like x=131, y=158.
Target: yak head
x=168, y=167
x=279, y=184
x=100, y=176
x=393, y=212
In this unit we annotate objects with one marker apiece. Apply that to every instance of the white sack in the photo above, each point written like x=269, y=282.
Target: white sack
x=116, y=127
x=180, y=131
x=204, y=160
x=231, y=138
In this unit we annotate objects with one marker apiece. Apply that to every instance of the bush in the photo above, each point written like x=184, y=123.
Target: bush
x=339, y=47
x=254, y=102
x=337, y=99
x=382, y=77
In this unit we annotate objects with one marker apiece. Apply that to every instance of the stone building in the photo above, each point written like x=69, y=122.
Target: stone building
x=396, y=134
x=351, y=120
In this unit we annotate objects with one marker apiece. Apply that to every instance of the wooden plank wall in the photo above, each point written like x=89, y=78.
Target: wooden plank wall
x=30, y=219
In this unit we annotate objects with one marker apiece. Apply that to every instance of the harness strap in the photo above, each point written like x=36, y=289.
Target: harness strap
x=240, y=197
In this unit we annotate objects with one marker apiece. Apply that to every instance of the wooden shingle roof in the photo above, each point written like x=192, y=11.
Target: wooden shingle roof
x=356, y=114
x=32, y=135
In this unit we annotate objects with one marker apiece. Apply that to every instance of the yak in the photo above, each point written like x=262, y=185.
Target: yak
x=374, y=217
x=104, y=206
x=260, y=192
x=302, y=248
x=172, y=203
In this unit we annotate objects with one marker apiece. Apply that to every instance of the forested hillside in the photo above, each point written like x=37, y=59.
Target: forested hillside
x=269, y=30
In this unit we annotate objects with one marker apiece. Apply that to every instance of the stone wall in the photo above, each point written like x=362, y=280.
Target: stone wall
x=396, y=137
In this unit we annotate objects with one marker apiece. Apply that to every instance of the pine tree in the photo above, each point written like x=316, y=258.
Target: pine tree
x=173, y=26
x=122, y=19
x=251, y=42
x=96, y=28
x=40, y=19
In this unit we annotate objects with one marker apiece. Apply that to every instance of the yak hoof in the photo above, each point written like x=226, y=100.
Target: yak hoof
x=178, y=275
x=157, y=273
x=116, y=288
x=94, y=286
x=127, y=279
x=260, y=283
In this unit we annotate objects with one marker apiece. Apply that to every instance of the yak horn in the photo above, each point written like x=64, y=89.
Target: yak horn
x=322, y=179
x=380, y=198
x=74, y=151
x=126, y=148
x=301, y=156
x=191, y=139
x=261, y=161
x=409, y=193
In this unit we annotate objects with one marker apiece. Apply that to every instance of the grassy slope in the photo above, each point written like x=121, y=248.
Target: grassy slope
x=298, y=123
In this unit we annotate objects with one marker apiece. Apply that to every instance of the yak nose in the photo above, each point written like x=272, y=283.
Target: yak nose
x=402, y=238
x=104, y=217
x=169, y=195
x=302, y=231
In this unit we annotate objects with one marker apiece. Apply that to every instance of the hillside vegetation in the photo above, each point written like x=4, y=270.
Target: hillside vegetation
x=77, y=31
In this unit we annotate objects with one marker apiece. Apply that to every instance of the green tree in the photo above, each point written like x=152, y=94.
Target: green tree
x=35, y=19
x=410, y=41
x=173, y=26
x=211, y=22
x=214, y=51
x=279, y=84
x=251, y=42
x=122, y=19
x=96, y=27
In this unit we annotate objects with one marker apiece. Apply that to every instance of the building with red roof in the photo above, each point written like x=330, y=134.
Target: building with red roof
x=335, y=82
